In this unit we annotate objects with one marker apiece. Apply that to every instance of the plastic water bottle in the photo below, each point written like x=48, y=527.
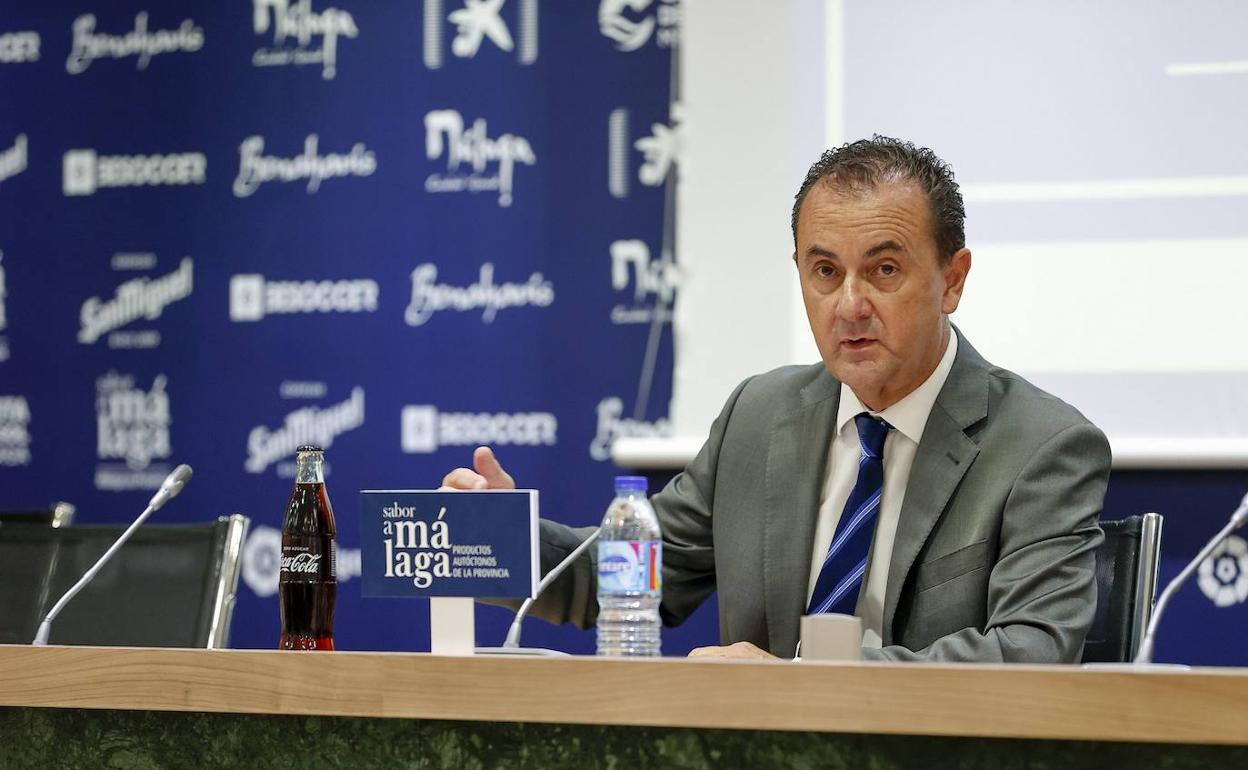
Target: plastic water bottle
x=630, y=573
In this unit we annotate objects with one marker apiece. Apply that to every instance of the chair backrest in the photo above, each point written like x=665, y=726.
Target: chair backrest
x=1126, y=587
x=56, y=515
x=168, y=586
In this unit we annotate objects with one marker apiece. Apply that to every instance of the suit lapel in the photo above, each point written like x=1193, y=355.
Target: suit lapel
x=797, y=458
x=943, y=458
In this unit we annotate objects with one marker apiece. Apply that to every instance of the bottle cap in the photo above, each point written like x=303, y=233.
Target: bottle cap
x=309, y=448
x=631, y=484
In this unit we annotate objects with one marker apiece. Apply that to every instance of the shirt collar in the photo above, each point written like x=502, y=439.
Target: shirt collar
x=909, y=415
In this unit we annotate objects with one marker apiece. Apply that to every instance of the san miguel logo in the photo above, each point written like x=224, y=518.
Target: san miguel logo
x=301, y=36
x=13, y=160
x=140, y=43
x=475, y=161
x=309, y=425
x=135, y=299
x=4, y=320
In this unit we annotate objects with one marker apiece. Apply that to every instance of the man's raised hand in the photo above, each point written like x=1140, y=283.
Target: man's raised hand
x=488, y=474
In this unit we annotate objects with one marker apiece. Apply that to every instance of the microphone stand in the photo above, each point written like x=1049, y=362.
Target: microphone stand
x=1145, y=654
x=45, y=628
x=512, y=645
x=170, y=488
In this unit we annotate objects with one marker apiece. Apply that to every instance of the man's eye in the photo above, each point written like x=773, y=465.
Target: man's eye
x=887, y=270
x=825, y=271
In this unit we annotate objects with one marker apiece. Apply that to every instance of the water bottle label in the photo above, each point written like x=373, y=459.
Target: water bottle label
x=630, y=566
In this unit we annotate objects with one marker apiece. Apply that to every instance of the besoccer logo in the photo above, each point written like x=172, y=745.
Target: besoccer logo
x=424, y=429
x=86, y=171
x=252, y=296
x=19, y=47
x=1224, y=575
x=475, y=23
x=79, y=172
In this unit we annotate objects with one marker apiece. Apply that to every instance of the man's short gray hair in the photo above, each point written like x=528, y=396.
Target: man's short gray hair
x=865, y=164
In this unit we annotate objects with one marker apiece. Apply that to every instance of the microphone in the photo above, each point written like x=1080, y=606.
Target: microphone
x=1238, y=519
x=169, y=489
x=512, y=645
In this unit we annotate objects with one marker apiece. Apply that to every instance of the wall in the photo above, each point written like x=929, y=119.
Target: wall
x=1106, y=217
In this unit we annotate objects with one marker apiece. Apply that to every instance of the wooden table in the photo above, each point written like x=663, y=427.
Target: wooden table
x=510, y=708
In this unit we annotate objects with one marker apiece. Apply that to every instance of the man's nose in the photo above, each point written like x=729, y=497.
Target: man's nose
x=853, y=305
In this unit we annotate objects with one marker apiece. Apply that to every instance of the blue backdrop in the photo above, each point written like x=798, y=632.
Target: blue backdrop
x=393, y=228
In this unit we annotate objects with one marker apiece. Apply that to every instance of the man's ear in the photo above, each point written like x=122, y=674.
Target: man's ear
x=955, y=279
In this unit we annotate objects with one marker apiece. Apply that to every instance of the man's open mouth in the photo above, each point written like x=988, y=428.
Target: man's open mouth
x=857, y=343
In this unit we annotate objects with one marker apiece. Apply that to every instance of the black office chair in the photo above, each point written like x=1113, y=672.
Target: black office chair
x=56, y=515
x=1126, y=588
x=168, y=586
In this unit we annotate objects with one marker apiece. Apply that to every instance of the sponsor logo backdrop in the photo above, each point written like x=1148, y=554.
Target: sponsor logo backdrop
x=393, y=228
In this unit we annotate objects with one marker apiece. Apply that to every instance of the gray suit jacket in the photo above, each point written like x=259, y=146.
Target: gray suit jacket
x=994, y=554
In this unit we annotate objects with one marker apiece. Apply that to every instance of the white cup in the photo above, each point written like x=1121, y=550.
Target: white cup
x=830, y=636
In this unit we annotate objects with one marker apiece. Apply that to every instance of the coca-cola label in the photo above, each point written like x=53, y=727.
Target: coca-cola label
x=309, y=559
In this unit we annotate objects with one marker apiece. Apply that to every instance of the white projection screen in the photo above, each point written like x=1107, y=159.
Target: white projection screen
x=1102, y=154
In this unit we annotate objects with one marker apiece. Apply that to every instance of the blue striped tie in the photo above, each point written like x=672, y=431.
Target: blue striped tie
x=836, y=590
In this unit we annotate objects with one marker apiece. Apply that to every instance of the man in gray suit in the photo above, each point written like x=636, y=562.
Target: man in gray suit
x=947, y=502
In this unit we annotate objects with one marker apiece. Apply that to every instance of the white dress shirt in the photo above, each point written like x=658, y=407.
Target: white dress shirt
x=908, y=418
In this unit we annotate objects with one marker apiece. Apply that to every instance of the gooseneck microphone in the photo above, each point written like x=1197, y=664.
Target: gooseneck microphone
x=512, y=645
x=169, y=489
x=513, y=634
x=1238, y=519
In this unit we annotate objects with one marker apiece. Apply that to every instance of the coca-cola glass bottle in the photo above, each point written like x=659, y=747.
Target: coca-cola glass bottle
x=308, y=582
